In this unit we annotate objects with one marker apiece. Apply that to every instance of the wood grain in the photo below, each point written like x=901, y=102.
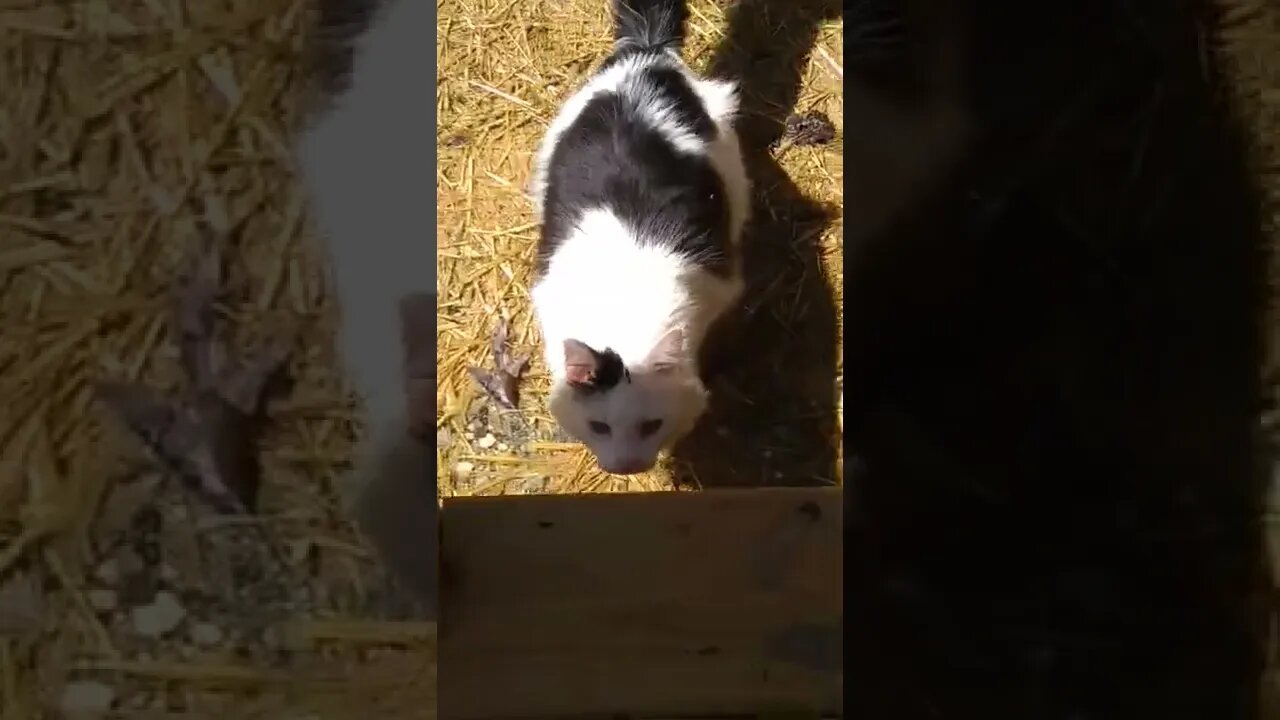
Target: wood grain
x=721, y=603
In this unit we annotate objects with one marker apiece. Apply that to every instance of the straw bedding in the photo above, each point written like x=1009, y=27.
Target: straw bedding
x=129, y=129
x=126, y=125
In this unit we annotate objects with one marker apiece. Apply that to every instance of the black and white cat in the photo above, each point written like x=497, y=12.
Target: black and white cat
x=642, y=196
x=367, y=162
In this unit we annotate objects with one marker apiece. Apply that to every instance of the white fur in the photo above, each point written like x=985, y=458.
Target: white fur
x=608, y=289
x=368, y=165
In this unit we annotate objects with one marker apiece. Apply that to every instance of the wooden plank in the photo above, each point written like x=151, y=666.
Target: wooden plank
x=719, y=603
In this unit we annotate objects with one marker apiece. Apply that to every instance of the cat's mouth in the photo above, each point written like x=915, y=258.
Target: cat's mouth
x=628, y=466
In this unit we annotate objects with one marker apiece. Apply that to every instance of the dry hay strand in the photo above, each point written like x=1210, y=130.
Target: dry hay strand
x=126, y=127
x=504, y=69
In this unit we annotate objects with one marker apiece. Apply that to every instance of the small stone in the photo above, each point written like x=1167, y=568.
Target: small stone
x=503, y=447
x=83, y=696
x=103, y=599
x=487, y=441
x=163, y=615
x=463, y=470
x=206, y=634
x=469, y=435
x=109, y=571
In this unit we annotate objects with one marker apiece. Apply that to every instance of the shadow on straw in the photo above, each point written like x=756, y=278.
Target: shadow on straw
x=772, y=416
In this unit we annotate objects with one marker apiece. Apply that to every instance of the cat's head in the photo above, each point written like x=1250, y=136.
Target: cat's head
x=626, y=415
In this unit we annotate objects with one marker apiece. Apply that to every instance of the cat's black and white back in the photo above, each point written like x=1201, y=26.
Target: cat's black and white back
x=642, y=195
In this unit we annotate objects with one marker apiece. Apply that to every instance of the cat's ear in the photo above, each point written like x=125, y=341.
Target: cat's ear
x=668, y=353
x=580, y=363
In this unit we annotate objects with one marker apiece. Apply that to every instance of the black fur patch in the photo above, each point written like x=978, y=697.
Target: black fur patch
x=611, y=157
x=665, y=81
x=675, y=88
x=339, y=24
x=609, y=371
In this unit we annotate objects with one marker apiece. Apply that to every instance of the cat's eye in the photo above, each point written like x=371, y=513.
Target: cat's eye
x=598, y=427
x=649, y=427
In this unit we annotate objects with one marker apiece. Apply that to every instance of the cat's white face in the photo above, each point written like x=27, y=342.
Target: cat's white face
x=628, y=424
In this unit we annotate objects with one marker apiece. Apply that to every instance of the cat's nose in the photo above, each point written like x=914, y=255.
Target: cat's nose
x=628, y=466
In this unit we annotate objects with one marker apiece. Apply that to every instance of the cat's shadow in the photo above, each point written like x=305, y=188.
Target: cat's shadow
x=773, y=375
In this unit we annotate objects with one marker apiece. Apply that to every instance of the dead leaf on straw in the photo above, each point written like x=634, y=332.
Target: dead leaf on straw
x=146, y=413
x=194, y=315
x=243, y=384
x=180, y=437
x=205, y=435
x=812, y=128
x=503, y=383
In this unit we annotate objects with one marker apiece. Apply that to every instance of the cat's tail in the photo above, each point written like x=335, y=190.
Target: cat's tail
x=649, y=24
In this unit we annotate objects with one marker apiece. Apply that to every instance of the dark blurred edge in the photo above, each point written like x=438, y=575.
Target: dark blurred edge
x=1054, y=388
